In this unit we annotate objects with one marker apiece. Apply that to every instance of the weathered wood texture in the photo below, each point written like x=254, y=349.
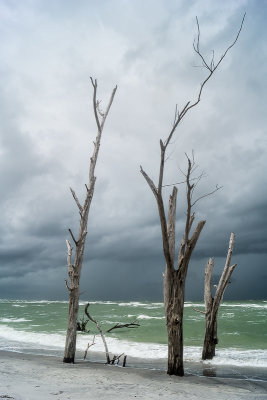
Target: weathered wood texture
x=174, y=279
x=212, y=304
x=100, y=331
x=115, y=358
x=74, y=269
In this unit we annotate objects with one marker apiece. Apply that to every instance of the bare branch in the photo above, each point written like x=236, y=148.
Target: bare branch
x=132, y=324
x=180, y=183
x=197, y=50
x=150, y=182
x=211, y=68
x=234, y=42
x=116, y=358
x=176, y=114
x=108, y=106
x=76, y=200
x=73, y=238
x=161, y=169
x=199, y=311
x=207, y=194
x=88, y=346
x=193, y=240
x=100, y=127
x=98, y=109
x=198, y=179
x=227, y=280
x=206, y=65
x=94, y=83
x=225, y=274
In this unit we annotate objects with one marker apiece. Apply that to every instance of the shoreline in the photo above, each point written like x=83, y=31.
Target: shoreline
x=199, y=368
x=31, y=377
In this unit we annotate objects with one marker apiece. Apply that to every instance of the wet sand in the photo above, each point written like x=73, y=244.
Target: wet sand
x=33, y=377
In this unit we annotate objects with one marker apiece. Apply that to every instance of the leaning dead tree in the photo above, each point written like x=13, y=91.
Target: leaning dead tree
x=100, y=331
x=74, y=268
x=212, y=304
x=116, y=358
x=175, y=277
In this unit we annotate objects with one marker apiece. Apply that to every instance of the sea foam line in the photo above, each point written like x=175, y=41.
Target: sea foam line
x=13, y=339
x=14, y=320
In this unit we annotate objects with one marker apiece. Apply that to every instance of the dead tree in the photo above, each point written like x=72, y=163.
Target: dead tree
x=174, y=278
x=100, y=331
x=116, y=326
x=81, y=325
x=74, y=269
x=212, y=304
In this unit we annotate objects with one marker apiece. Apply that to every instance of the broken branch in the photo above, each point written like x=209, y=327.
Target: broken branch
x=88, y=347
x=119, y=326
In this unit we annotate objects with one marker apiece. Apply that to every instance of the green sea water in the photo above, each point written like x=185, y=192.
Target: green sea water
x=40, y=327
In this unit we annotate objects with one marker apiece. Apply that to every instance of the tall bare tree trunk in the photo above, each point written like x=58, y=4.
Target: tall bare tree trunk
x=74, y=269
x=212, y=304
x=174, y=279
x=174, y=324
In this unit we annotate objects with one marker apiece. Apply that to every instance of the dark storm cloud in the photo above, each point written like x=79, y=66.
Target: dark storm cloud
x=47, y=128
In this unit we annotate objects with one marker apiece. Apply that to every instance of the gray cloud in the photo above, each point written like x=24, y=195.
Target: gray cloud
x=47, y=127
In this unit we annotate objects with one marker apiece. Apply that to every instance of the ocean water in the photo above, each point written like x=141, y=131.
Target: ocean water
x=40, y=327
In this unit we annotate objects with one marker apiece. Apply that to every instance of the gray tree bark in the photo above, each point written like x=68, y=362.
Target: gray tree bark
x=212, y=304
x=74, y=269
x=100, y=331
x=174, y=279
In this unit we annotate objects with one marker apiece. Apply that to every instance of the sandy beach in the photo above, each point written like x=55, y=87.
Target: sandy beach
x=32, y=377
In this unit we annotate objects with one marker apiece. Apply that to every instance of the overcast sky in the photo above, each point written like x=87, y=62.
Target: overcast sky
x=48, y=51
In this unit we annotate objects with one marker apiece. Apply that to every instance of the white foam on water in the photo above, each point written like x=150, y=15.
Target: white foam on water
x=244, y=305
x=133, y=304
x=18, y=305
x=134, y=349
x=228, y=315
x=15, y=302
x=142, y=316
x=83, y=303
x=14, y=320
x=16, y=340
x=193, y=305
x=35, y=340
x=238, y=357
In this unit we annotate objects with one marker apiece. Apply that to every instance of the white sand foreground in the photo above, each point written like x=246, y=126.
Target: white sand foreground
x=30, y=377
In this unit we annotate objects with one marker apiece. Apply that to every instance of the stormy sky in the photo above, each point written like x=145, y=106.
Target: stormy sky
x=48, y=51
